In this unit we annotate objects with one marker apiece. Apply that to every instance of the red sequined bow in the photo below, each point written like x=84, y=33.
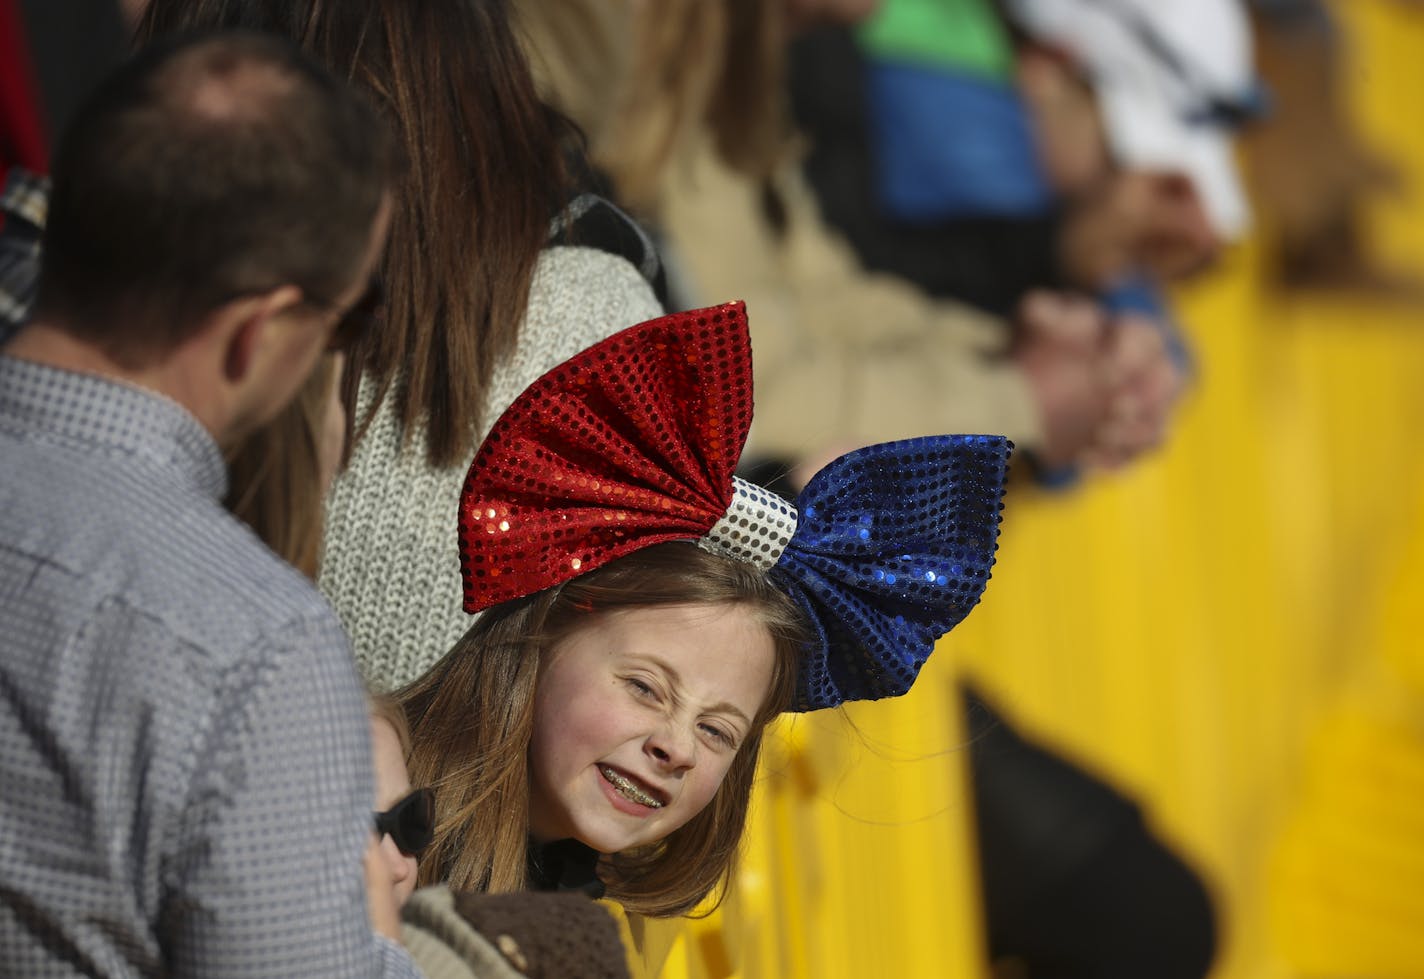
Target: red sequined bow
x=631, y=443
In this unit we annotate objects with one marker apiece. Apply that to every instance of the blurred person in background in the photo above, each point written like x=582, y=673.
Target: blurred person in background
x=1134, y=106
x=921, y=153
x=984, y=153
x=1312, y=175
x=983, y=150
x=23, y=132
x=54, y=53
x=24, y=202
x=699, y=145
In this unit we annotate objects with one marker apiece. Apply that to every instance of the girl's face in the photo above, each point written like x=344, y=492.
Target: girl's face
x=637, y=718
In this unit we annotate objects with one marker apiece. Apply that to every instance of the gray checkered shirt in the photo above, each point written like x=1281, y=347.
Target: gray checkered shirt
x=185, y=774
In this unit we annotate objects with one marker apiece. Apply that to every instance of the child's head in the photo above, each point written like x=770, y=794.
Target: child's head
x=623, y=708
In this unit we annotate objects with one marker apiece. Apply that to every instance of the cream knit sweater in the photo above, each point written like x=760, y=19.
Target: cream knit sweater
x=391, y=566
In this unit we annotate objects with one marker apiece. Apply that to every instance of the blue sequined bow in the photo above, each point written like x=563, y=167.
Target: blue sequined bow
x=893, y=547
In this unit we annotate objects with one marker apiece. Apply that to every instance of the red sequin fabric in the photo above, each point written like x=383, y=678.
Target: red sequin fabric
x=631, y=443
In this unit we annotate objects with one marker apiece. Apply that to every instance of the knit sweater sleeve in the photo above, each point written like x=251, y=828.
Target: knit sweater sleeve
x=391, y=565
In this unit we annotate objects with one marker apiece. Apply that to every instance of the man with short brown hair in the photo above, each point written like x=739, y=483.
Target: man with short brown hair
x=183, y=738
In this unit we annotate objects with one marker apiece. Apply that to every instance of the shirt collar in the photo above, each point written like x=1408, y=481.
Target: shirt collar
x=110, y=416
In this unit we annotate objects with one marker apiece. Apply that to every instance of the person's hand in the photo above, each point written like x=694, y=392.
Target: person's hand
x=1105, y=388
x=1146, y=384
x=1061, y=349
x=1104, y=228
x=380, y=893
x=1136, y=219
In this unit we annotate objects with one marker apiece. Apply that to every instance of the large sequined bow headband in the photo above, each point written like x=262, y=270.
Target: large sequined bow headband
x=634, y=442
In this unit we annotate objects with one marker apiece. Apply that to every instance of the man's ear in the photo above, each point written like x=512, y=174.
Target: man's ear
x=246, y=325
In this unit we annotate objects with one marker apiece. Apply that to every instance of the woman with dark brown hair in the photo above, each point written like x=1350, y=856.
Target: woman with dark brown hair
x=487, y=284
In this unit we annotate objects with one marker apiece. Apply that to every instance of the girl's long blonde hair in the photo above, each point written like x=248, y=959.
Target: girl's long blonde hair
x=472, y=717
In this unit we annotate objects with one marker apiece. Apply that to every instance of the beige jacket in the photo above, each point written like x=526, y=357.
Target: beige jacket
x=843, y=357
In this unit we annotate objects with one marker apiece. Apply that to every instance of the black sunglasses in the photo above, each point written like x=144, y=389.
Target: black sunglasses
x=410, y=822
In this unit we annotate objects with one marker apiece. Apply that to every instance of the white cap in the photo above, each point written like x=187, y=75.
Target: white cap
x=1163, y=71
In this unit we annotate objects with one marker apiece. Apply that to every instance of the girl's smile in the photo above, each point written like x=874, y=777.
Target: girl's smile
x=628, y=788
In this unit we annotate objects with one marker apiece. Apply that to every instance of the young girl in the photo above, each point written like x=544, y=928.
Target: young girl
x=645, y=615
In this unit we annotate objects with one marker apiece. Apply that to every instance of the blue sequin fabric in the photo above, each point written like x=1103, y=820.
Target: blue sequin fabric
x=893, y=546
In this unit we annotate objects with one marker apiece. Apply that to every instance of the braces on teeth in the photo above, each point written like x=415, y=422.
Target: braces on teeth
x=628, y=789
